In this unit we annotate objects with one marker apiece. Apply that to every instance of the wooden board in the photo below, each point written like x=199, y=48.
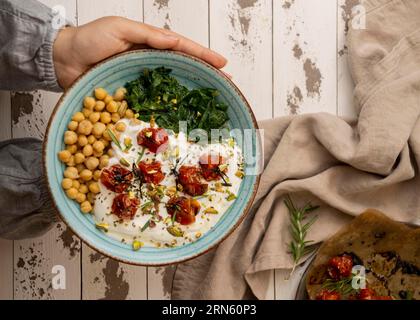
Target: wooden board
x=173, y=15
x=6, y=246
x=305, y=73
x=108, y=279
x=241, y=30
x=305, y=41
x=36, y=260
x=345, y=84
x=94, y=9
x=105, y=278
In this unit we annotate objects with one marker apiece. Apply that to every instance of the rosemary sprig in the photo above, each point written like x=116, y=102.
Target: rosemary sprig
x=114, y=138
x=342, y=286
x=299, y=246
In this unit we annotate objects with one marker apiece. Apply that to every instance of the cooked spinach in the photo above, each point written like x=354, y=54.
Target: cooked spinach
x=156, y=93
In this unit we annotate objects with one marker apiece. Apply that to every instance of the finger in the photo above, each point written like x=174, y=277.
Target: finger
x=190, y=47
x=139, y=33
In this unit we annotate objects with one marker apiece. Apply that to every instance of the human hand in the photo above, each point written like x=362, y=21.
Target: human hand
x=76, y=49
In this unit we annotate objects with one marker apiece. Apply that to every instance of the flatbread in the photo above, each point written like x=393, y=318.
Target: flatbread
x=389, y=250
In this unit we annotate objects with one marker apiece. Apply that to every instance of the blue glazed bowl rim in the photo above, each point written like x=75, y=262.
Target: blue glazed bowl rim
x=249, y=202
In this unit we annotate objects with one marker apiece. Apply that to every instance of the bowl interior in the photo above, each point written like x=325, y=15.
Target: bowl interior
x=114, y=73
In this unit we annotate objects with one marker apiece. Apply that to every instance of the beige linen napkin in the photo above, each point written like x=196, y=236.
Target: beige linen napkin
x=344, y=167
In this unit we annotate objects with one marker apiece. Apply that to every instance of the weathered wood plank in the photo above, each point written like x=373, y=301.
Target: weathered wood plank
x=105, y=278
x=94, y=9
x=108, y=279
x=6, y=246
x=305, y=41
x=242, y=31
x=345, y=83
x=189, y=18
x=305, y=72
x=37, y=261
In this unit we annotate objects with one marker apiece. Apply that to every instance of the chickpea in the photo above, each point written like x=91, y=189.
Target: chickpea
x=99, y=106
x=97, y=154
x=72, y=126
x=66, y=183
x=94, y=187
x=76, y=184
x=129, y=114
x=85, y=207
x=91, y=139
x=89, y=103
x=71, y=162
x=120, y=126
x=112, y=106
x=103, y=161
x=86, y=112
x=115, y=117
x=70, y=137
x=92, y=163
x=64, y=155
x=83, y=188
x=98, y=129
x=82, y=140
x=120, y=94
x=80, y=197
x=97, y=175
x=108, y=99
x=87, y=150
x=72, y=193
x=80, y=167
x=100, y=93
x=105, y=117
x=85, y=127
x=79, y=158
x=110, y=152
x=94, y=117
x=105, y=142
x=86, y=175
x=72, y=148
x=78, y=116
x=98, y=146
x=71, y=173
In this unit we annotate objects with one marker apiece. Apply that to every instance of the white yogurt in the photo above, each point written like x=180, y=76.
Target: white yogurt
x=129, y=230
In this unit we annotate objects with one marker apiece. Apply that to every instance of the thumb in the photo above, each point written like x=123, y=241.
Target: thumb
x=140, y=33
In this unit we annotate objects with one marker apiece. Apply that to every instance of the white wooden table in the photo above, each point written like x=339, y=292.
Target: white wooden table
x=288, y=57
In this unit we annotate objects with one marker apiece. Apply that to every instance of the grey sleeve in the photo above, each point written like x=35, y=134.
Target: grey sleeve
x=27, y=35
x=26, y=208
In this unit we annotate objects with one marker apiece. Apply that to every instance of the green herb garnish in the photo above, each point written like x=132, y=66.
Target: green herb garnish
x=342, y=286
x=141, y=153
x=299, y=246
x=114, y=138
x=146, y=225
x=157, y=93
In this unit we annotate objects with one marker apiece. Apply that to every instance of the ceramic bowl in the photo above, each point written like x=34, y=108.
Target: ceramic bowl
x=111, y=74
